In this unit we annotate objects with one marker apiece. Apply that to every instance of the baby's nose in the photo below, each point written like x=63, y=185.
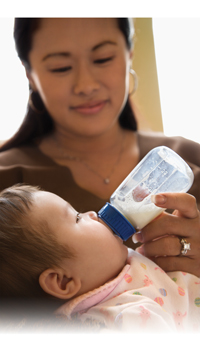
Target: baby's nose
x=93, y=215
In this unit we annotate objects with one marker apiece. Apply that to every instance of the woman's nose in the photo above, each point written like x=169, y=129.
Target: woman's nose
x=85, y=83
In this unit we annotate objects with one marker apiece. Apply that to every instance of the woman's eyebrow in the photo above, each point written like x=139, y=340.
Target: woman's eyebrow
x=56, y=54
x=103, y=43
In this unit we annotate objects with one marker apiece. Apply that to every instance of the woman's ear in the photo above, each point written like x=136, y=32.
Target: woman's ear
x=30, y=79
x=131, y=54
x=130, y=59
x=55, y=282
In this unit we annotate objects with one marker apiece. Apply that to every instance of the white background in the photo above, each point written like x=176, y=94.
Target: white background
x=178, y=64
x=177, y=51
x=13, y=82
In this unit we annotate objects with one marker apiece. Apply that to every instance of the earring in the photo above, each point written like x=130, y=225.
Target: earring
x=35, y=98
x=133, y=73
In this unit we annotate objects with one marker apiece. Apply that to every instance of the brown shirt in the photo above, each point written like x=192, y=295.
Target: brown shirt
x=29, y=165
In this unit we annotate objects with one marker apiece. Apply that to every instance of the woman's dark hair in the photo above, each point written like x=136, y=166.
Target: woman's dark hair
x=37, y=124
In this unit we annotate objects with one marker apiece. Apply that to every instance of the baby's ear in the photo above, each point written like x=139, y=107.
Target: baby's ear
x=56, y=283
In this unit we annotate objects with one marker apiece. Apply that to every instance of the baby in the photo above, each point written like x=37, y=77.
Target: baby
x=48, y=250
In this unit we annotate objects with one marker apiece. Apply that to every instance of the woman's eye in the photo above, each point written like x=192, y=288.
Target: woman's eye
x=78, y=217
x=104, y=60
x=62, y=69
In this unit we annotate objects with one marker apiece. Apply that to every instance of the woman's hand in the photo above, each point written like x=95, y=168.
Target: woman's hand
x=161, y=238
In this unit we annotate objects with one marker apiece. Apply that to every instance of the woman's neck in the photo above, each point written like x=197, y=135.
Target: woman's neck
x=89, y=146
x=98, y=164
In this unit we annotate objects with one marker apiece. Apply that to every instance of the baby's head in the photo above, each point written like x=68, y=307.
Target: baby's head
x=47, y=248
x=27, y=247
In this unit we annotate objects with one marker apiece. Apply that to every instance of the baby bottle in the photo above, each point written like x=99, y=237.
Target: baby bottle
x=130, y=207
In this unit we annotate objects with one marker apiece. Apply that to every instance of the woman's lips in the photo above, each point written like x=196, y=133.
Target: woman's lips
x=90, y=108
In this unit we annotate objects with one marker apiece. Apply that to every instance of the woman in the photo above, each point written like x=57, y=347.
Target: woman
x=79, y=138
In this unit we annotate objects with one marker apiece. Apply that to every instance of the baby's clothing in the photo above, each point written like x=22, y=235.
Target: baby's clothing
x=141, y=298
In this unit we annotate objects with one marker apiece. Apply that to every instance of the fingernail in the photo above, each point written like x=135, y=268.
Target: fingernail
x=134, y=240
x=140, y=250
x=158, y=199
x=137, y=237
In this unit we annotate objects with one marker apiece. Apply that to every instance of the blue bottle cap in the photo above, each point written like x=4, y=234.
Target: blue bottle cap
x=116, y=221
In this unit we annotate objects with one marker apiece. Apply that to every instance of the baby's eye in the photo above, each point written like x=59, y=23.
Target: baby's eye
x=78, y=217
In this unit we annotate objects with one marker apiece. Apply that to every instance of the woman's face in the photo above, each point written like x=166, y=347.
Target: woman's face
x=80, y=67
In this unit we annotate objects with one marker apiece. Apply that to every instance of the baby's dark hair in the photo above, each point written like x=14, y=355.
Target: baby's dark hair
x=27, y=248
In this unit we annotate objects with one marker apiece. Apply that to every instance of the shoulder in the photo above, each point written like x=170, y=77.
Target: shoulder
x=189, y=150
x=11, y=156
x=28, y=155
x=27, y=164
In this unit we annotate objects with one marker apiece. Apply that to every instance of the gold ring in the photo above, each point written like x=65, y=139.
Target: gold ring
x=185, y=246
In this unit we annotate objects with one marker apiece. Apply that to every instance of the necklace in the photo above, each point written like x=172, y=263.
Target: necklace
x=106, y=180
